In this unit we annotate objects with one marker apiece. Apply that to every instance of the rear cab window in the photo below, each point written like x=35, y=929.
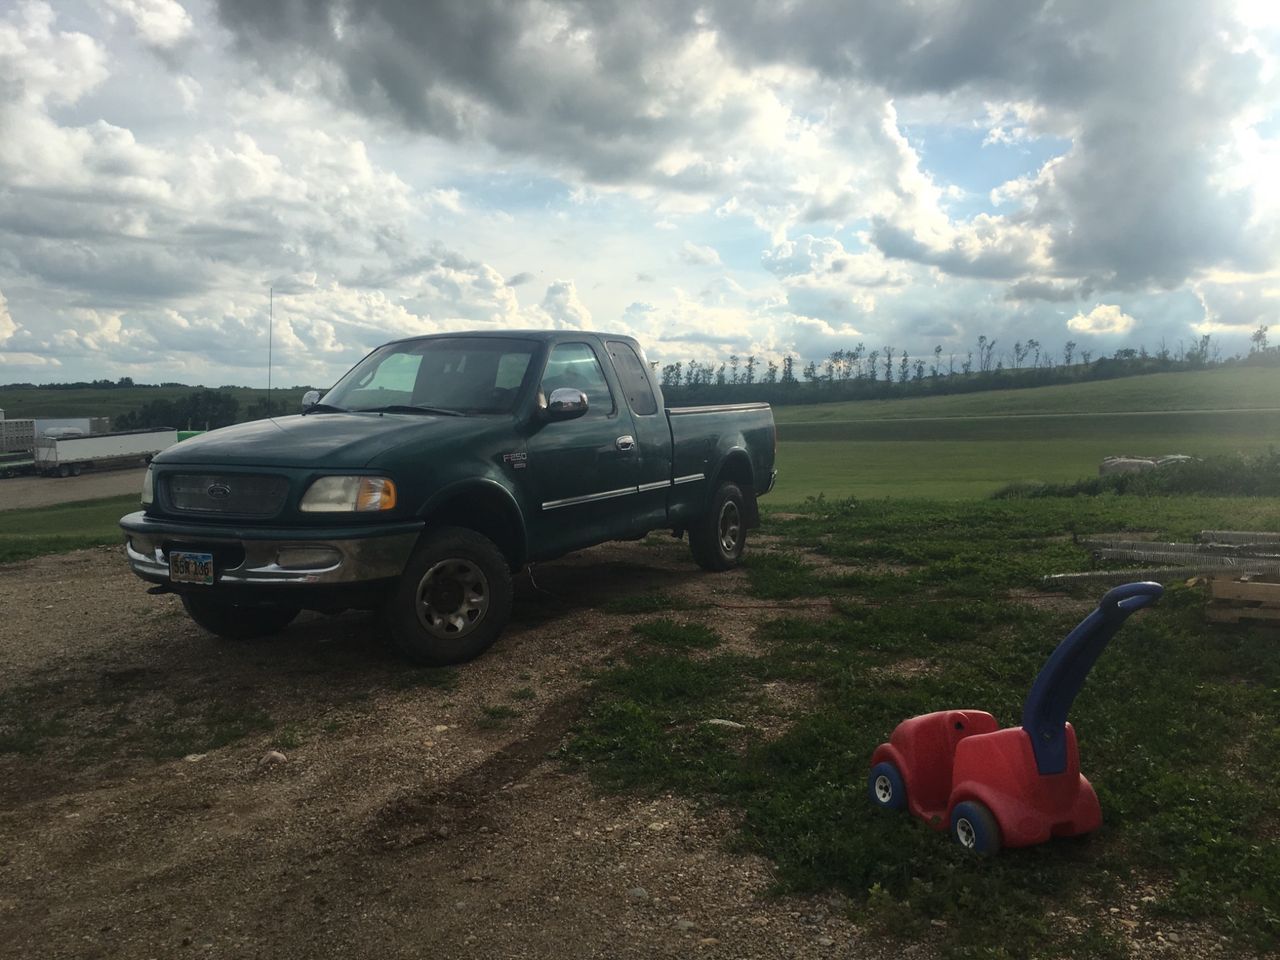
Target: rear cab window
x=635, y=382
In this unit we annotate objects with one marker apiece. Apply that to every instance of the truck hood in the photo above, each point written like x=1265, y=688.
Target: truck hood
x=322, y=440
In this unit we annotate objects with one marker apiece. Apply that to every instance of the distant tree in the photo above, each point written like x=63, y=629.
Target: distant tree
x=811, y=371
x=1086, y=356
x=904, y=367
x=853, y=362
x=1068, y=352
x=919, y=370
x=720, y=377
x=937, y=361
x=788, y=369
x=872, y=359
x=967, y=366
x=749, y=376
x=733, y=367
x=771, y=372
x=1258, y=339
x=888, y=364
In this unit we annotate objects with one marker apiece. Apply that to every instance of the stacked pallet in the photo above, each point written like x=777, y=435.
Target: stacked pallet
x=1231, y=601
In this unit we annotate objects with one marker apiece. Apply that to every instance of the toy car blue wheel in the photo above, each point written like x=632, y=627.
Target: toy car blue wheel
x=974, y=828
x=886, y=788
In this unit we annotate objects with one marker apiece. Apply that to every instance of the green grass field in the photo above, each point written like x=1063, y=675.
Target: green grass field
x=71, y=526
x=971, y=445
x=931, y=609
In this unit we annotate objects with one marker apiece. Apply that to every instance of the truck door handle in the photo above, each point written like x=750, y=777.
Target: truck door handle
x=625, y=443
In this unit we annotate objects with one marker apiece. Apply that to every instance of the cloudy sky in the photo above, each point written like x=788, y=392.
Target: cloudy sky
x=731, y=176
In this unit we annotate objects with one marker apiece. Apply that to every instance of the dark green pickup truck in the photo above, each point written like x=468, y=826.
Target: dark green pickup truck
x=433, y=471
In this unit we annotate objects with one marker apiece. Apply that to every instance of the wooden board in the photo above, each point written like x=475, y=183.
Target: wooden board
x=1230, y=613
x=1258, y=591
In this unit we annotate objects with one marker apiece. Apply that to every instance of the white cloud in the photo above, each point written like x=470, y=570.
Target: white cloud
x=562, y=309
x=698, y=256
x=161, y=23
x=7, y=326
x=1102, y=319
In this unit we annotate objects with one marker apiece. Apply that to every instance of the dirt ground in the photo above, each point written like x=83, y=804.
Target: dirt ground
x=20, y=492
x=411, y=817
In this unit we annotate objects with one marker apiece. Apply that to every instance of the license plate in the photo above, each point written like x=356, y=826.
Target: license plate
x=187, y=567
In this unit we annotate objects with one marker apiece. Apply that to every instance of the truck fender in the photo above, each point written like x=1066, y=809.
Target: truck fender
x=735, y=466
x=483, y=505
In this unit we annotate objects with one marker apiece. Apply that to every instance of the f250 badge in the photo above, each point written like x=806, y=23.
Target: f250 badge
x=518, y=461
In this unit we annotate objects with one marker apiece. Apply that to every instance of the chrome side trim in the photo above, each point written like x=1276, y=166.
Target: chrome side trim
x=722, y=408
x=691, y=478
x=646, y=487
x=589, y=498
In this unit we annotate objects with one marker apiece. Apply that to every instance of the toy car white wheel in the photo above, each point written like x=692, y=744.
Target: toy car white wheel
x=886, y=788
x=974, y=827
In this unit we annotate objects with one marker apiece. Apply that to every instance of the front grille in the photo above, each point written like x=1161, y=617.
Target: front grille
x=236, y=495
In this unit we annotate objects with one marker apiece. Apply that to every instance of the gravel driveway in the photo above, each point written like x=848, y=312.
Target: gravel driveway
x=416, y=813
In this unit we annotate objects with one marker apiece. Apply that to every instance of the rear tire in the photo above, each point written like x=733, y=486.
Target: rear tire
x=233, y=621
x=453, y=600
x=719, y=536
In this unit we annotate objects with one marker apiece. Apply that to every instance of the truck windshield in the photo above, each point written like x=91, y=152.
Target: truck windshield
x=454, y=374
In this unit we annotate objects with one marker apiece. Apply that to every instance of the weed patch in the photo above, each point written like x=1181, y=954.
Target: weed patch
x=1176, y=728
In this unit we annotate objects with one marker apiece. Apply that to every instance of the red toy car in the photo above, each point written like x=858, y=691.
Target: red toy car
x=1014, y=787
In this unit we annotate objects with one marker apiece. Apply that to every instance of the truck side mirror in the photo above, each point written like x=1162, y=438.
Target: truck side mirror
x=566, y=403
x=310, y=399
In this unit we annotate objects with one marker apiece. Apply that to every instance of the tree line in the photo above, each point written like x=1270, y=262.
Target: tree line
x=859, y=373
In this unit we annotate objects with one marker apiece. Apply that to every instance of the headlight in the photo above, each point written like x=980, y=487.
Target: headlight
x=149, y=487
x=349, y=495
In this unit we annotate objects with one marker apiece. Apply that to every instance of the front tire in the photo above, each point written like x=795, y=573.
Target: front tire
x=719, y=536
x=453, y=600
x=974, y=827
x=233, y=621
x=885, y=787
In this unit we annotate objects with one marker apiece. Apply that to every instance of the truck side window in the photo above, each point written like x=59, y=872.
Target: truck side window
x=635, y=384
x=576, y=365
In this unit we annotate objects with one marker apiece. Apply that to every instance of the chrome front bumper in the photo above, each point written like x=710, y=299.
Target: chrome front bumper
x=275, y=562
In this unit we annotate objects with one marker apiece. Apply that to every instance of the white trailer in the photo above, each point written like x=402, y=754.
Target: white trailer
x=56, y=457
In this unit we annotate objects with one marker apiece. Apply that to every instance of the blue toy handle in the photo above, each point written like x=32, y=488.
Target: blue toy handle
x=1132, y=596
x=1044, y=715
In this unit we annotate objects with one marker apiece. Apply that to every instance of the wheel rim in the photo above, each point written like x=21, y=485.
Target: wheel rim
x=452, y=599
x=730, y=526
x=884, y=789
x=965, y=833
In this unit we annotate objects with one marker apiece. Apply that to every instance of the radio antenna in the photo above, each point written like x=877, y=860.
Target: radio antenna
x=271, y=322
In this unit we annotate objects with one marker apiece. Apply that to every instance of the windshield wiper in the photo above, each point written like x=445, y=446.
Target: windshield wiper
x=409, y=408
x=324, y=408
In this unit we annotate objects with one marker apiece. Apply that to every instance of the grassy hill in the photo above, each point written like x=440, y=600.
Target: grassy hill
x=1227, y=388
x=972, y=444
x=949, y=446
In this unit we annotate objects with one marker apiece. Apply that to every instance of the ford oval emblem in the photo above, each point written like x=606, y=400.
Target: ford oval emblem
x=218, y=491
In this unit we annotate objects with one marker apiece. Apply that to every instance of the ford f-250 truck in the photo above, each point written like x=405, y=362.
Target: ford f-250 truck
x=437, y=468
